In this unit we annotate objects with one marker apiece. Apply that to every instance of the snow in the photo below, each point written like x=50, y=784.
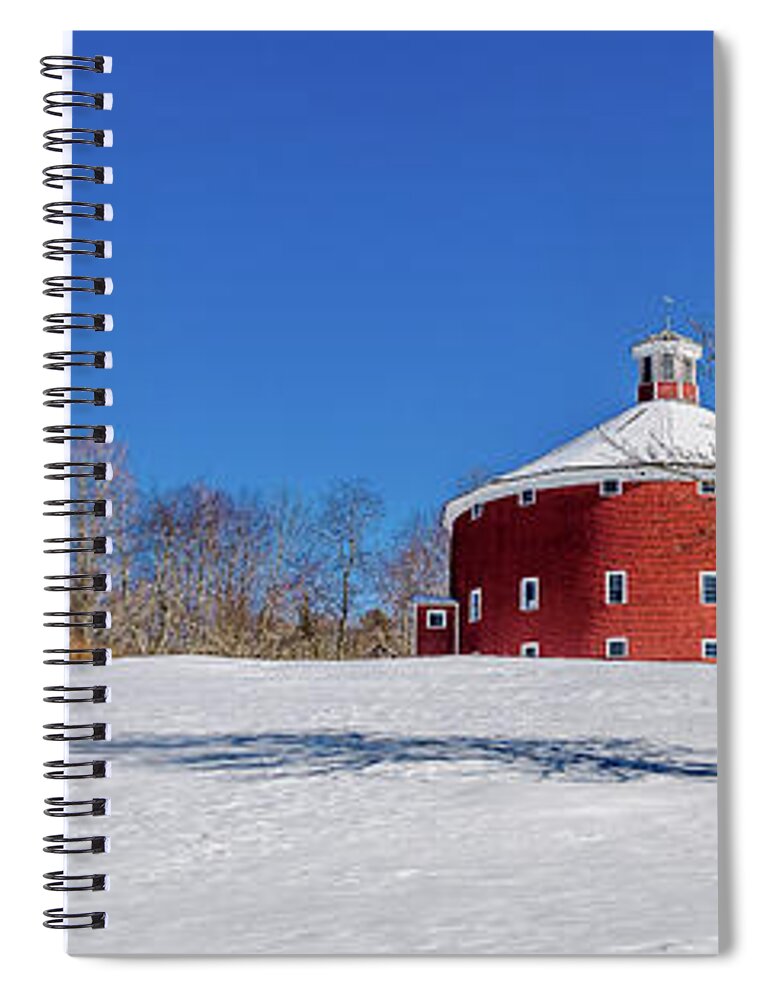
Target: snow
x=662, y=439
x=455, y=805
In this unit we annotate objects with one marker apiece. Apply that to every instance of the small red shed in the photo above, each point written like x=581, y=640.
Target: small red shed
x=435, y=626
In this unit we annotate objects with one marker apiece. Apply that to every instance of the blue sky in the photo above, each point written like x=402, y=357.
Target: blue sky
x=401, y=256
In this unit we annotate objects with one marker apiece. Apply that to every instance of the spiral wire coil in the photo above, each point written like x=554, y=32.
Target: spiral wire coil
x=75, y=544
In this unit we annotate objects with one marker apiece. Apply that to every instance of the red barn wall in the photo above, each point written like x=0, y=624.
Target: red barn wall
x=663, y=534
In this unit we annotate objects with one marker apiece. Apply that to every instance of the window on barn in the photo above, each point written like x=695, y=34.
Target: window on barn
x=708, y=649
x=529, y=593
x=476, y=511
x=474, y=605
x=688, y=369
x=527, y=497
x=616, y=647
x=667, y=367
x=708, y=588
x=530, y=649
x=707, y=487
x=647, y=368
x=615, y=586
x=610, y=487
x=436, y=619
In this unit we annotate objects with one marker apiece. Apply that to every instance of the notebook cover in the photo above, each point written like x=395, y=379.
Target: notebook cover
x=413, y=607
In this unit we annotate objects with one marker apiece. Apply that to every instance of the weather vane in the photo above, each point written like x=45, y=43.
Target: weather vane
x=668, y=302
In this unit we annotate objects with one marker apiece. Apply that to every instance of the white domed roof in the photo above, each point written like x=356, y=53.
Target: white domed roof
x=662, y=439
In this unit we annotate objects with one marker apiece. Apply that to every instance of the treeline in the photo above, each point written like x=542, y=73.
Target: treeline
x=199, y=570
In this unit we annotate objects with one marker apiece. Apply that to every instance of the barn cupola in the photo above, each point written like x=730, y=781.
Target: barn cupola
x=668, y=365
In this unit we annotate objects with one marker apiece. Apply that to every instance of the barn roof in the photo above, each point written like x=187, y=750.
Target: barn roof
x=661, y=439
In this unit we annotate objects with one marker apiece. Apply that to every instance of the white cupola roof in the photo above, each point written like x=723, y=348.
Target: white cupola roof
x=668, y=436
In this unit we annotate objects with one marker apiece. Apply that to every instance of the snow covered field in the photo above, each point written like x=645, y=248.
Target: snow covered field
x=460, y=805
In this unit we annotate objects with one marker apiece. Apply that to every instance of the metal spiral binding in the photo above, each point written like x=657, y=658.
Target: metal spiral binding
x=97, y=694
x=59, y=920
x=61, y=248
x=79, y=508
x=62, y=808
x=58, y=99
x=57, y=138
x=79, y=619
x=96, y=433
x=87, y=845
x=57, y=360
x=99, y=544
x=92, y=544
x=98, y=583
x=92, y=322
x=58, y=175
x=58, y=211
x=62, y=732
x=100, y=472
x=53, y=66
x=98, y=657
x=64, y=395
x=68, y=883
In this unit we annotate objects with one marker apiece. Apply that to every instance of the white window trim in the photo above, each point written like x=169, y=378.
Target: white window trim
x=604, y=492
x=703, y=653
x=475, y=617
x=529, y=645
x=436, y=611
x=701, y=587
x=477, y=509
x=615, y=656
x=528, y=503
x=608, y=574
x=522, y=592
x=707, y=492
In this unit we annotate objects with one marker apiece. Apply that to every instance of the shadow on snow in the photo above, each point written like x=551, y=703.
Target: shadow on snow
x=297, y=754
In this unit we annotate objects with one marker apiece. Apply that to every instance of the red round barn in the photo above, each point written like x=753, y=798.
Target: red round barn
x=605, y=547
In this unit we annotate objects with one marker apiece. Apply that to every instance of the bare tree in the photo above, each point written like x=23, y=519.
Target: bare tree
x=288, y=594
x=477, y=476
x=417, y=563
x=122, y=529
x=348, y=515
x=373, y=636
x=205, y=556
x=705, y=333
x=196, y=570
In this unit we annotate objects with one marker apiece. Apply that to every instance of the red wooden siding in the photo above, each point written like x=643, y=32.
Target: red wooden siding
x=432, y=641
x=667, y=390
x=663, y=534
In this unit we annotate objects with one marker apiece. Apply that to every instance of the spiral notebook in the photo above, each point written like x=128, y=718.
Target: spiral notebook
x=387, y=610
